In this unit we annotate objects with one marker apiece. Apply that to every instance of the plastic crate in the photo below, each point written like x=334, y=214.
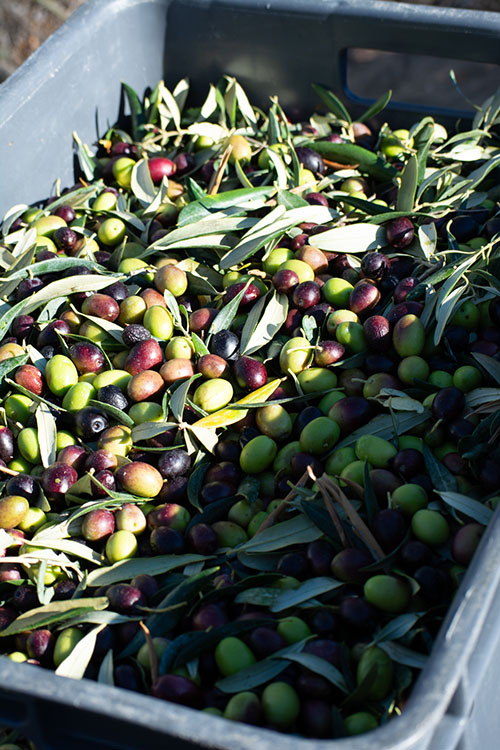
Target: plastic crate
x=73, y=83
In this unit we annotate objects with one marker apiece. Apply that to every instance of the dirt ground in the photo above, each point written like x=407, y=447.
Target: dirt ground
x=25, y=24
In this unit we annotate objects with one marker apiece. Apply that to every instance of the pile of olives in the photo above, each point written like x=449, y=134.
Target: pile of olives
x=260, y=450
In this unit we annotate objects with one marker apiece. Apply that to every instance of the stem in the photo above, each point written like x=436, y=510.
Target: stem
x=267, y=522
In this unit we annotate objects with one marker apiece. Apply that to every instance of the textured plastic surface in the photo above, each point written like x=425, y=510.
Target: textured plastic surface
x=73, y=83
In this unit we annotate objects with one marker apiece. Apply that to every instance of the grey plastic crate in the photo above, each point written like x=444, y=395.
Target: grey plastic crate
x=73, y=83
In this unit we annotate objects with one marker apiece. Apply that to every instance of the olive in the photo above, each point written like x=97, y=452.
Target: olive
x=202, y=539
x=134, y=333
x=113, y=396
x=140, y=479
x=400, y=233
x=101, y=306
x=244, y=707
x=408, y=498
x=375, y=658
x=6, y=444
x=360, y=723
x=348, y=564
x=57, y=479
x=465, y=542
x=258, y=454
x=98, y=524
x=281, y=704
x=90, y=423
x=389, y=527
x=232, y=655
x=430, y=527
x=285, y=280
x=13, y=509
x=293, y=629
x=374, y=265
x=225, y=344
x=174, y=463
x=121, y=545
x=250, y=373
x=30, y=378
x=177, y=689
x=143, y=356
x=388, y=593
x=319, y=436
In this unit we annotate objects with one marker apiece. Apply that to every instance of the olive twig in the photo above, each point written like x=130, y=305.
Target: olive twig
x=153, y=659
x=356, y=520
x=216, y=179
x=331, y=509
x=271, y=518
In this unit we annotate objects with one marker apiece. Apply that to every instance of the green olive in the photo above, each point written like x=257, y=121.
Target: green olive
x=258, y=454
x=232, y=655
x=213, y=394
x=121, y=545
x=60, y=374
x=281, y=704
x=111, y=231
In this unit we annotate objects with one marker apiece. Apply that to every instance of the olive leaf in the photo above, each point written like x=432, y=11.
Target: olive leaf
x=442, y=479
x=386, y=425
x=120, y=416
x=311, y=588
x=141, y=183
x=88, y=164
x=490, y=364
x=47, y=434
x=69, y=285
x=196, y=482
x=403, y=655
x=261, y=672
x=53, y=613
x=427, y=236
x=366, y=161
x=319, y=666
x=106, y=670
x=297, y=530
x=76, y=549
x=187, y=646
x=333, y=103
x=171, y=609
x=268, y=326
x=259, y=596
x=397, y=628
x=12, y=364
x=77, y=661
x=376, y=107
x=408, y=186
x=352, y=238
x=227, y=314
x=468, y=507
x=178, y=398
x=125, y=570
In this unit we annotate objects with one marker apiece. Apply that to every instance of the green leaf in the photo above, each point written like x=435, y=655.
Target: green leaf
x=402, y=655
x=308, y=590
x=190, y=645
x=12, y=364
x=256, y=338
x=106, y=670
x=77, y=661
x=442, y=479
x=136, y=112
x=148, y=430
x=47, y=434
x=408, y=186
x=352, y=238
x=174, y=605
x=298, y=530
x=348, y=153
x=320, y=666
x=259, y=673
x=87, y=162
x=52, y=266
x=120, y=416
x=384, y=426
x=227, y=314
x=125, y=570
x=332, y=102
x=199, y=345
x=468, y=507
x=141, y=183
x=178, y=398
x=57, y=288
x=492, y=366
x=53, y=613
x=397, y=628
x=376, y=107
x=427, y=236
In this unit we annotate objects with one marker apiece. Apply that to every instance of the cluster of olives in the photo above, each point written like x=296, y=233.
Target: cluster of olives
x=107, y=365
